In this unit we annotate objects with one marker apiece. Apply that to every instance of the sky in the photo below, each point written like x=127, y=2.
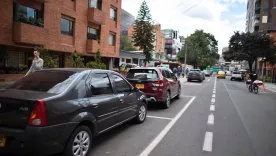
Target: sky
x=218, y=17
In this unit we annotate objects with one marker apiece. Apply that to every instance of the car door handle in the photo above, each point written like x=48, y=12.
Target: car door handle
x=121, y=101
x=95, y=105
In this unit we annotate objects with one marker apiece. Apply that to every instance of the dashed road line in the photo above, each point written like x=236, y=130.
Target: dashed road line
x=162, y=134
x=211, y=119
x=213, y=100
x=214, y=92
x=159, y=117
x=212, y=108
x=214, y=95
x=208, y=142
x=208, y=79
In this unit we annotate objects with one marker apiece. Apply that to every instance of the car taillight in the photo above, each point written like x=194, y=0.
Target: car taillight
x=38, y=116
x=158, y=83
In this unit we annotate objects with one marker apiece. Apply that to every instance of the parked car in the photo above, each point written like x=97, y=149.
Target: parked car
x=243, y=72
x=221, y=74
x=228, y=73
x=236, y=75
x=195, y=74
x=159, y=84
x=61, y=110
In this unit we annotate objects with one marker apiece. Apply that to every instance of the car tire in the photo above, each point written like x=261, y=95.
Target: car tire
x=167, y=102
x=178, y=93
x=79, y=131
x=141, y=114
x=189, y=80
x=231, y=79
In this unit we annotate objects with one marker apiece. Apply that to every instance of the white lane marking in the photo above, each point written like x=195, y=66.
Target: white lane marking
x=208, y=142
x=212, y=103
x=211, y=119
x=162, y=134
x=208, y=79
x=213, y=100
x=159, y=117
x=214, y=95
x=214, y=91
x=189, y=96
x=212, y=107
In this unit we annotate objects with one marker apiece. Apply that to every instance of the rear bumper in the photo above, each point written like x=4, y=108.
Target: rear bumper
x=194, y=78
x=158, y=97
x=36, y=140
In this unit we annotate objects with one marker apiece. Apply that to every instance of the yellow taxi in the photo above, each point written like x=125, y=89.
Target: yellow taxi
x=221, y=74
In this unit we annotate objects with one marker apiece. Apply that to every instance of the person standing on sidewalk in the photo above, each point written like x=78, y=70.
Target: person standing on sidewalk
x=179, y=71
x=37, y=63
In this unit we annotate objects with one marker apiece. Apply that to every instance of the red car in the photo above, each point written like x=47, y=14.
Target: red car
x=159, y=84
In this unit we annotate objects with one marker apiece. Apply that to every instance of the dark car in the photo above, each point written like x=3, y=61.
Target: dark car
x=159, y=84
x=61, y=110
x=195, y=74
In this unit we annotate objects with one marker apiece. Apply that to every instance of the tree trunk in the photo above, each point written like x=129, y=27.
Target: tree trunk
x=250, y=63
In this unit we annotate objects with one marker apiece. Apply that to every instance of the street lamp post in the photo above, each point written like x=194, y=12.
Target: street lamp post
x=185, y=55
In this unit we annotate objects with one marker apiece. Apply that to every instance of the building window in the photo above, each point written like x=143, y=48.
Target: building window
x=92, y=33
x=128, y=60
x=95, y=4
x=66, y=27
x=28, y=15
x=112, y=38
x=113, y=13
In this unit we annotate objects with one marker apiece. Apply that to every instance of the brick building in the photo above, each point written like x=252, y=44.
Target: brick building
x=61, y=26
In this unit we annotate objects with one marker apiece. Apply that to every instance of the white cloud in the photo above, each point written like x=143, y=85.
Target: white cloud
x=206, y=15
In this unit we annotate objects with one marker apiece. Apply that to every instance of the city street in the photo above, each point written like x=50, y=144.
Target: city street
x=213, y=118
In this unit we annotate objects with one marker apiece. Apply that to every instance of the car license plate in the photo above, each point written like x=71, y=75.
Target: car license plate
x=140, y=86
x=2, y=141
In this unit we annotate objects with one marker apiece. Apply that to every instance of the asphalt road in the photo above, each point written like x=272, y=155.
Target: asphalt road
x=238, y=123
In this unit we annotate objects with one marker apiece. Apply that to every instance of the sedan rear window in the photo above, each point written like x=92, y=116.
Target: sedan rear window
x=142, y=74
x=236, y=72
x=46, y=81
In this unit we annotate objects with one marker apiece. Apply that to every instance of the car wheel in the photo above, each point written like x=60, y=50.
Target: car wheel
x=142, y=114
x=79, y=142
x=178, y=93
x=167, y=102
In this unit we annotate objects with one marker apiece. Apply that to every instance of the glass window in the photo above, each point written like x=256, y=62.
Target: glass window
x=95, y=4
x=66, y=27
x=142, y=74
x=164, y=73
x=168, y=74
x=112, y=38
x=46, y=81
x=92, y=33
x=113, y=13
x=128, y=60
x=120, y=84
x=100, y=84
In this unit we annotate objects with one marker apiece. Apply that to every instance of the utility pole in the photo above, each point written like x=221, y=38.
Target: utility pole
x=185, y=55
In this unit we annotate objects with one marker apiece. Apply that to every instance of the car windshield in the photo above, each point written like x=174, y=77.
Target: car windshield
x=142, y=74
x=45, y=81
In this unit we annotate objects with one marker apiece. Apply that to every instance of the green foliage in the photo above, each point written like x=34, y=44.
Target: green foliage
x=125, y=44
x=202, y=50
x=250, y=46
x=74, y=61
x=97, y=64
x=23, y=68
x=31, y=20
x=143, y=36
x=50, y=60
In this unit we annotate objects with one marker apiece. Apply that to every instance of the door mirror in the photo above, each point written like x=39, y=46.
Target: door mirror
x=134, y=89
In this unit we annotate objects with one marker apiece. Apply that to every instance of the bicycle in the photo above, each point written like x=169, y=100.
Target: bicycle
x=254, y=87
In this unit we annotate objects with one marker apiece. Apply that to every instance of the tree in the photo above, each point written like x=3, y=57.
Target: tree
x=74, y=61
x=97, y=64
x=250, y=46
x=50, y=60
x=125, y=43
x=143, y=36
x=202, y=49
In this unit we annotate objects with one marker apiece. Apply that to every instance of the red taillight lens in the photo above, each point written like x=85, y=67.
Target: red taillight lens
x=38, y=116
x=158, y=83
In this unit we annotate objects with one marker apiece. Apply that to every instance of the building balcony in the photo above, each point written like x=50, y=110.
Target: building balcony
x=92, y=46
x=256, y=22
x=95, y=15
x=29, y=34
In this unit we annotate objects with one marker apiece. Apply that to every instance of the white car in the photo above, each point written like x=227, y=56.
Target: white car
x=236, y=75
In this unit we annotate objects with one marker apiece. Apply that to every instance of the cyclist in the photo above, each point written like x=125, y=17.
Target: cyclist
x=253, y=77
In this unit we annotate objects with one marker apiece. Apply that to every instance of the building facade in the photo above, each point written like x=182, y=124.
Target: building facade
x=61, y=26
x=173, y=43
x=126, y=20
x=261, y=16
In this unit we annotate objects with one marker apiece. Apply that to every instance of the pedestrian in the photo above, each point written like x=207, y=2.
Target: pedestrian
x=179, y=71
x=37, y=63
x=187, y=71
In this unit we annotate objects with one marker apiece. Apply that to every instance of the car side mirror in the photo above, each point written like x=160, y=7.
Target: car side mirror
x=134, y=89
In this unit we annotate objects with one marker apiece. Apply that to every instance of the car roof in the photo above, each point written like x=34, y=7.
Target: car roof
x=77, y=70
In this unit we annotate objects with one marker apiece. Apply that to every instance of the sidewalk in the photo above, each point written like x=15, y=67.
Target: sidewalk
x=270, y=86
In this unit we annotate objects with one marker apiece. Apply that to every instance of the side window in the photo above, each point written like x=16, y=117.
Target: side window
x=168, y=74
x=120, y=84
x=164, y=73
x=100, y=84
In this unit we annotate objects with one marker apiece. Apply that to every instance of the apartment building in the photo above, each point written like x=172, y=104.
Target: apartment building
x=173, y=43
x=127, y=20
x=261, y=16
x=61, y=26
